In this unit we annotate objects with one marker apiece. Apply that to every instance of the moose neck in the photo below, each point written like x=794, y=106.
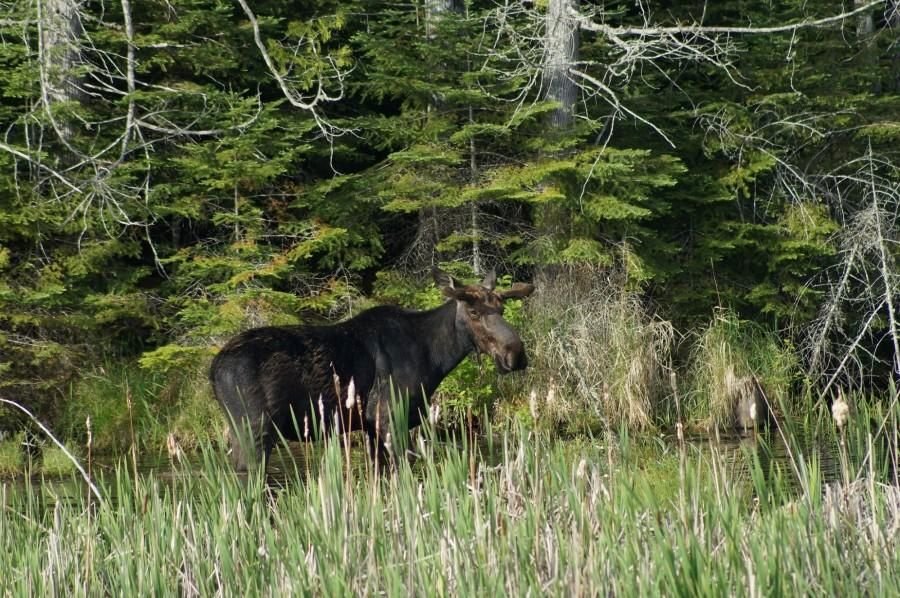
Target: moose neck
x=449, y=343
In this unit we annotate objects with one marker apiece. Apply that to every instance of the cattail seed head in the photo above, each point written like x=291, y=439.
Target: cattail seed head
x=172, y=447
x=581, y=470
x=840, y=410
x=351, y=395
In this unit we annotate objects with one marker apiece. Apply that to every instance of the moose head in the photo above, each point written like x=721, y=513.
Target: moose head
x=479, y=312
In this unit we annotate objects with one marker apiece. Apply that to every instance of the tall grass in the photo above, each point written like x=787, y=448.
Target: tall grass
x=595, y=351
x=131, y=405
x=532, y=517
x=728, y=356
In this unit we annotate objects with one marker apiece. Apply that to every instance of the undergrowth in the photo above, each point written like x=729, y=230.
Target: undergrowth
x=727, y=353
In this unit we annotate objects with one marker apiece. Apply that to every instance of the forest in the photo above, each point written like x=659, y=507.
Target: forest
x=721, y=177
x=705, y=197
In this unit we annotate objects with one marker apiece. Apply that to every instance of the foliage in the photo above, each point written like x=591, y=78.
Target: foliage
x=209, y=170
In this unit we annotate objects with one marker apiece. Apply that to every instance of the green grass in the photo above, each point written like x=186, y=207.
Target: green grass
x=54, y=461
x=11, y=459
x=727, y=351
x=523, y=514
x=128, y=404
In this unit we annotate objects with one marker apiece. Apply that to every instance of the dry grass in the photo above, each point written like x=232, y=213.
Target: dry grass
x=595, y=350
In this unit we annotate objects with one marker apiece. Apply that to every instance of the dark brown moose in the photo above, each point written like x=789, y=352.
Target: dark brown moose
x=289, y=380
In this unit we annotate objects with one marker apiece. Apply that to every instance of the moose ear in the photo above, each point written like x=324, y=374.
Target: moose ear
x=517, y=291
x=449, y=286
x=490, y=280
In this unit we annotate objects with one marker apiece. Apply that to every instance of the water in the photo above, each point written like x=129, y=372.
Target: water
x=775, y=455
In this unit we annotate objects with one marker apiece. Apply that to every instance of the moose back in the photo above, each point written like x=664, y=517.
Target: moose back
x=289, y=380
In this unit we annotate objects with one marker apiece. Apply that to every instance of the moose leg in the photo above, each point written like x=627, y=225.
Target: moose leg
x=378, y=432
x=251, y=442
x=387, y=426
x=377, y=423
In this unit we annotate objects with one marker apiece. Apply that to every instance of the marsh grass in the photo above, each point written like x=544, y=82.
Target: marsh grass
x=54, y=462
x=12, y=459
x=728, y=356
x=613, y=516
x=597, y=354
x=131, y=406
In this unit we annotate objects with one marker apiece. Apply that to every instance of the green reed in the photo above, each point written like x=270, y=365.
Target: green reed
x=528, y=514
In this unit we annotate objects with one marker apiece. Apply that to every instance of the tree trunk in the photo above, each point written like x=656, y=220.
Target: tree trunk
x=892, y=20
x=477, y=265
x=60, y=30
x=865, y=32
x=560, y=55
x=434, y=9
x=430, y=219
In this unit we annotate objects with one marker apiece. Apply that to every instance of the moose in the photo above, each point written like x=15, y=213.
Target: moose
x=288, y=380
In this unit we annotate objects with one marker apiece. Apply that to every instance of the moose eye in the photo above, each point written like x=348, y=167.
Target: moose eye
x=474, y=314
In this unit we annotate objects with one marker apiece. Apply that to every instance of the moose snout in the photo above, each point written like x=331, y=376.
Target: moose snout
x=513, y=357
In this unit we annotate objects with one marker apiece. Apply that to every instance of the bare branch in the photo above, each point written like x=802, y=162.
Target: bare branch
x=94, y=490
x=585, y=22
x=309, y=103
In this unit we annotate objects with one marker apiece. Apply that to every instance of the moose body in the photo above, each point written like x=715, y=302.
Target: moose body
x=291, y=380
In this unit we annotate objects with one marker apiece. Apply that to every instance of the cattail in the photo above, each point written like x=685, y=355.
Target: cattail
x=551, y=393
x=532, y=404
x=387, y=443
x=336, y=380
x=581, y=470
x=321, y=410
x=351, y=395
x=679, y=431
x=840, y=411
x=420, y=444
x=306, y=427
x=434, y=414
x=173, y=448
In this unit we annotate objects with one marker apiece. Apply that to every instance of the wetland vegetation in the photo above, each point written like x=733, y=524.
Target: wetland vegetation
x=519, y=512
